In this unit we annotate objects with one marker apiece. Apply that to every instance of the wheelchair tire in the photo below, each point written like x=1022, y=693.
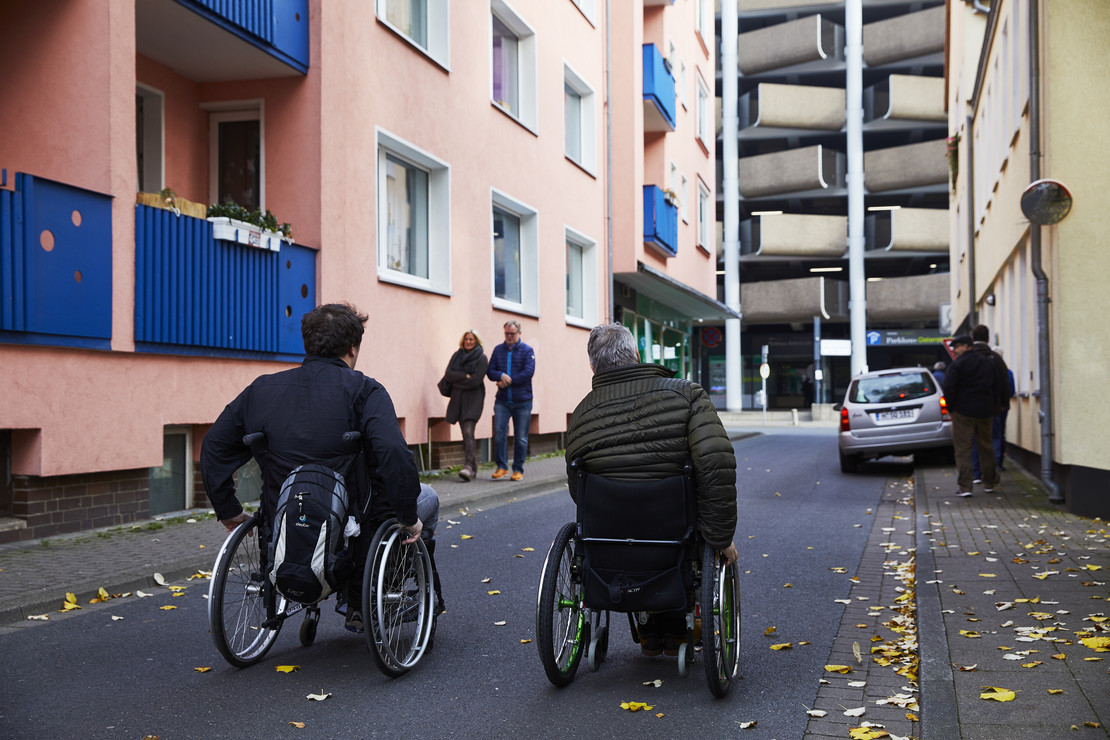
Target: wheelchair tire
x=720, y=621
x=308, y=627
x=562, y=630
x=397, y=596
x=240, y=599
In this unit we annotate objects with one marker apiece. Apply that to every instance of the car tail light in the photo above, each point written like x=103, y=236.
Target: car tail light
x=944, y=415
x=844, y=425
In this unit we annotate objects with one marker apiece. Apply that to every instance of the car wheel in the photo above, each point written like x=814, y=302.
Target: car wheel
x=848, y=463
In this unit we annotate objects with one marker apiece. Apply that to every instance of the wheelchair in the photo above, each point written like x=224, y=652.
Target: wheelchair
x=246, y=612
x=633, y=548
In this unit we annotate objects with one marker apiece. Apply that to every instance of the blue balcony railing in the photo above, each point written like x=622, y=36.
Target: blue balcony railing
x=658, y=85
x=198, y=295
x=55, y=264
x=660, y=221
x=278, y=27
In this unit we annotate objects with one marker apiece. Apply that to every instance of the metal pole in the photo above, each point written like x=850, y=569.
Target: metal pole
x=972, y=293
x=857, y=277
x=611, y=304
x=730, y=187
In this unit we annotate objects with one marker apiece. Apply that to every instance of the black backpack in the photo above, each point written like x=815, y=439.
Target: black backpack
x=308, y=550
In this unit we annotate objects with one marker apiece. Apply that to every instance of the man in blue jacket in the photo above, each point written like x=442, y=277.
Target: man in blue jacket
x=969, y=387
x=511, y=366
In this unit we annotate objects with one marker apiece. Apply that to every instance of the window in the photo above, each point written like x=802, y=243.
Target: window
x=581, y=288
x=580, y=114
x=703, y=115
x=513, y=64
x=682, y=83
x=149, y=138
x=422, y=22
x=237, y=158
x=515, y=240
x=171, y=483
x=684, y=211
x=587, y=8
x=704, y=22
x=413, y=216
x=705, y=216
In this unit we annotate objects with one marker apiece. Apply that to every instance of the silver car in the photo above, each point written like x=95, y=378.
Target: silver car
x=892, y=412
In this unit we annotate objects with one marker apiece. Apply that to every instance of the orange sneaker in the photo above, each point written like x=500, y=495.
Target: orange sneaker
x=517, y=475
x=500, y=473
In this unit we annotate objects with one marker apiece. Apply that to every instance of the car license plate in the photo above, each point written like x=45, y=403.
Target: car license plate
x=895, y=414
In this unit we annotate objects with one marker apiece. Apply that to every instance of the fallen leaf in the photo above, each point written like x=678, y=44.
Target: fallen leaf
x=287, y=668
x=1060, y=656
x=486, y=580
x=857, y=684
x=1055, y=691
x=493, y=593
x=502, y=623
x=912, y=717
x=42, y=617
x=997, y=694
x=317, y=697
x=857, y=712
x=838, y=668
x=159, y=579
x=970, y=633
x=142, y=594
x=816, y=712
x=635, y=706
x=1099, y=644
x=969, y=668
x=782, y=646
x=788, y=585
x=466, y=537
x=203, y=669
x=856, y=652
x=769, y=630
x=528, y=549
x=298, y=725
x=525, y=642
x=656, y=683
x=747, y=725
x=167, y=608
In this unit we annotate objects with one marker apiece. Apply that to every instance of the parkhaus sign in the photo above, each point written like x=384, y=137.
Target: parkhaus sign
x=896, y=338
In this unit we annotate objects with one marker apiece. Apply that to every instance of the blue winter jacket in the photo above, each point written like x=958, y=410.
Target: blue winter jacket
x=519, y=363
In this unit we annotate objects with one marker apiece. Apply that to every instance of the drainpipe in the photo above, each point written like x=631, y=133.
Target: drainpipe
x=730, y=187
x=972, y=293
x=857, y=277
x=1044, y=345
x=612, y=303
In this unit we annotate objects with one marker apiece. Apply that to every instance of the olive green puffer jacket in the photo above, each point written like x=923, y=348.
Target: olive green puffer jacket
x=641, y=423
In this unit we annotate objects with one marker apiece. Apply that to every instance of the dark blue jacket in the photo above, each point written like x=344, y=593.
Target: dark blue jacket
x=519, y=363
x=969, y=385
x=304, y=413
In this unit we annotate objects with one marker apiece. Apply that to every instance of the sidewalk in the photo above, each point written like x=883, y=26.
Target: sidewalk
x=35, y=576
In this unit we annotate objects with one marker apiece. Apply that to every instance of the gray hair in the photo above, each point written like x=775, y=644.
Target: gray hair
x=610, y=346
x=511, y=322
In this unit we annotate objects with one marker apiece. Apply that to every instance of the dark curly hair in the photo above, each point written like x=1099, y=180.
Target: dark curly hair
x=332, y=329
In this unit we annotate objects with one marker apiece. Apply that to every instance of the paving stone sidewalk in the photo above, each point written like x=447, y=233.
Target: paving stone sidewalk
x=35, y=576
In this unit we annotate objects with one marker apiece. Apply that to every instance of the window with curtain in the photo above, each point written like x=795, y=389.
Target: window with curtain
x=506, y=67
x=410, y=17
x=406, y=217
x=506, y=255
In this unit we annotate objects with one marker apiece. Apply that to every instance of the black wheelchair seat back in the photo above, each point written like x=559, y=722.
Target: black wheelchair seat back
x=636, y=535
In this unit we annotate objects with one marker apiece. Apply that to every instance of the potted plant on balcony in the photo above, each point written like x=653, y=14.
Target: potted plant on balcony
x=671, y=197
x=232, y=222
x=168, y=198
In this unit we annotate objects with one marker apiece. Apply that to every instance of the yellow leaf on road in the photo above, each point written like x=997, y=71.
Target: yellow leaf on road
x=298, y=725
x=635, y=706
x=466, y=537
x=782, y=646
x=528, y=549
x=997, y=694
x=203, y=669
x=1099, y=644
x=525, y=642
x=838, y=668
x=167, y=608
x=287, y=668
x=769, y=630
x=493, y=593
x=1055, y=691
x=969, y=633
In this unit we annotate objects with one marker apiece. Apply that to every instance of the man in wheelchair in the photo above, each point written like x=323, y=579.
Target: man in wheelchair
x=304, y=414
x=641, y=424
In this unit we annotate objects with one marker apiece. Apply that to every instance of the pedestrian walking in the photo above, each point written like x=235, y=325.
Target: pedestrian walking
x=1004, y=391
x=969, y=387
x=511, y=366
x=465, y=384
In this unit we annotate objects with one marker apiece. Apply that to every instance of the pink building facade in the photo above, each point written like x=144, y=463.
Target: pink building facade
x=444, y=166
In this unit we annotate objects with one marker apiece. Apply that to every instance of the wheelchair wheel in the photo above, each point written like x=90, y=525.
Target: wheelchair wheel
x=562, y=629
x=720, y=621
x=240, y=598
x=599, y=642
x=309, y=625
x=397, y=600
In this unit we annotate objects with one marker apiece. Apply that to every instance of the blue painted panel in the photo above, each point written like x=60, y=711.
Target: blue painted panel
x=278, y=27
x=55, y=262
x=660, y=220
x=296, y=294
x=195, y=293
x=659, y=83
x=291, y=29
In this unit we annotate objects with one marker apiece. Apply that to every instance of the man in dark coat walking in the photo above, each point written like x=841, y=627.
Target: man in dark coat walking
x=969, y=388
x=641, y=423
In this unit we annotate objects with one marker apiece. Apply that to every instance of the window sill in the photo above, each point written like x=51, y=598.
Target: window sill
x=589, y=171
x=508, y=114
x=393, y=277
x=501, y=304
x=578, y=323
x=427, y=53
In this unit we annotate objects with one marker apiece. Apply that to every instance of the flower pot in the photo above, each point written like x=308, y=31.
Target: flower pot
x=231, y=230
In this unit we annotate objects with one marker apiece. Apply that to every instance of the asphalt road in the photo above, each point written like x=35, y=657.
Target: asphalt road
x=88, y=675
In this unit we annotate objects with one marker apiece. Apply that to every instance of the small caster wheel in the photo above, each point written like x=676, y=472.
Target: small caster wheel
x=308, y=627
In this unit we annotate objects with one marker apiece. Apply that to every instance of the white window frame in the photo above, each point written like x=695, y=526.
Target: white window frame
x=438, y=14
x=529, y=304
x=527, y=102
x=705, y=216
x=439, y=215
x=587, y=125
x=154, y=137
x=588, y=8
x=247, y=110
x=704, y=22
x=703, y=116
x=684, y=209
x=590, y=297
x=682, y=85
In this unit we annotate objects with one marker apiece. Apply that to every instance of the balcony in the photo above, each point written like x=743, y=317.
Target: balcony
x=907, y=230
x=55, y=264
x=915, y=298
x=914, y=38
x=195, y=294
x=795, y=300
x=811, y=170
x=774, y=110
x=807, y=44
x=793, y=235
x=660, y=222
x=658, y=92
x=904, y=101
x=219, y=40
x=913, y=166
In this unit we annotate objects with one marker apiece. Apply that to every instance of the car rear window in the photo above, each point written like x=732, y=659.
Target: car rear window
x=892, y=388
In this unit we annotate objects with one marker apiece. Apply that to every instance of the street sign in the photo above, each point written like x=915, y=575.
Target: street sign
x=948, y=347
x=764, y=371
